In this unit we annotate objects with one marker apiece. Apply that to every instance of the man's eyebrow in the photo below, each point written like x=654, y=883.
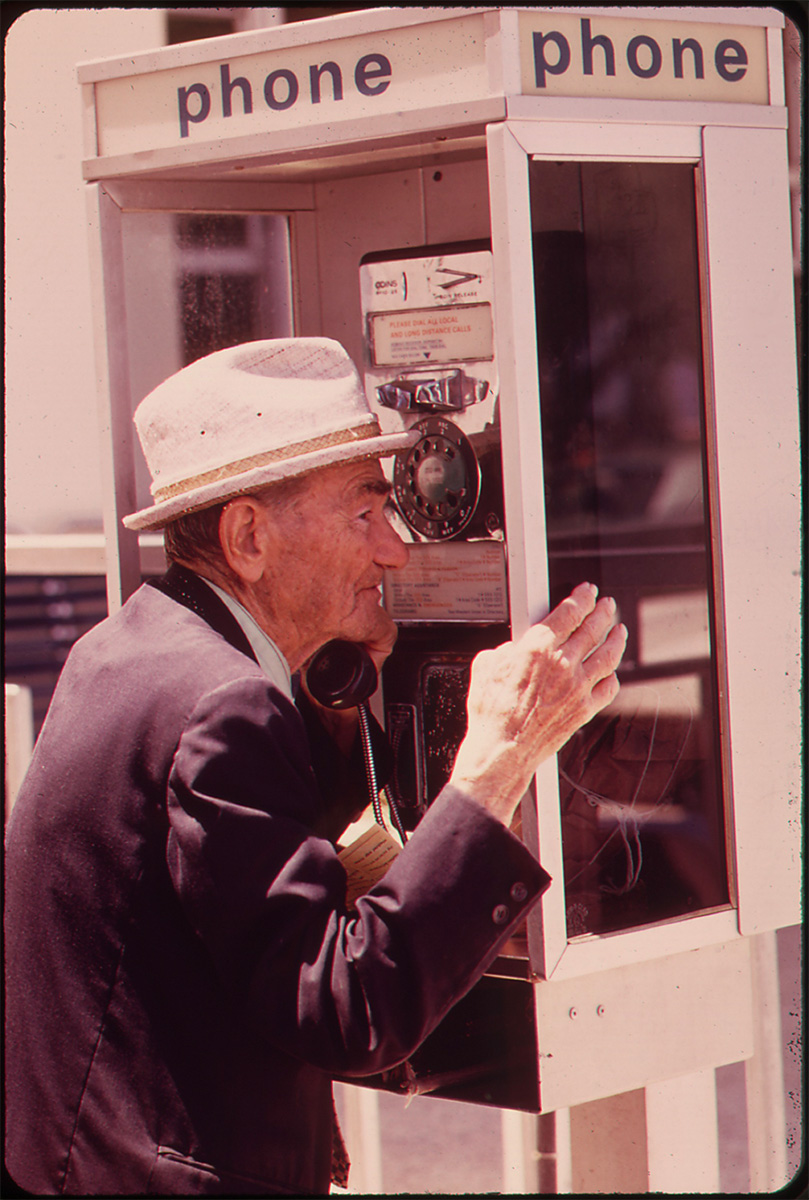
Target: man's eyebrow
x=376, y=487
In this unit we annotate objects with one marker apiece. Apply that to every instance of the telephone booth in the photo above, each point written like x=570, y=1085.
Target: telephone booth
x=557, y=244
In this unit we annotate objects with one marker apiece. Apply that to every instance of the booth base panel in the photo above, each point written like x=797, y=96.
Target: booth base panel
x=534, y=1046
x=483, y=1052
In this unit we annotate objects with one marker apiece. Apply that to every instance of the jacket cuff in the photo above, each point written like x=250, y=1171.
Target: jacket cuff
x=458, y=840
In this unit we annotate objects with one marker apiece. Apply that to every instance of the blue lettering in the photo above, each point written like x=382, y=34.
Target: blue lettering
x=290, y=79
x=541, y=66
x=677, y=48
x=587, y=44
x=632, y=57
x=336, y=81
x=227, y=87
x=373, y=66
x=731, y=60
x=188, y=118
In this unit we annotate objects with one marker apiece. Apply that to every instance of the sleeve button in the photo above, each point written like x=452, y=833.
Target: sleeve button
x=500, y=914
x=519, y=892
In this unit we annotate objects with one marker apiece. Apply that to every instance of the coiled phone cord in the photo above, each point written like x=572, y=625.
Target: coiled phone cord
x=370, y=770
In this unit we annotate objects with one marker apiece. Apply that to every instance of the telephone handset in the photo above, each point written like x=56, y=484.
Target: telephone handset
x=343, y=675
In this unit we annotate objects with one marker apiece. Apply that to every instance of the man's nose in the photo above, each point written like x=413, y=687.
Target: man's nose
x=392, y=551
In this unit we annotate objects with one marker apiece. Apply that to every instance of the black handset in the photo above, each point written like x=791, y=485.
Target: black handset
x=343, y=675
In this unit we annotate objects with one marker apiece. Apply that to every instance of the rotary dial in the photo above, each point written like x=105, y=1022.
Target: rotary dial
x=437, y=481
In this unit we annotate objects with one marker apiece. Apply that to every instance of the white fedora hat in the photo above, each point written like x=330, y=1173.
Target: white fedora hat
x=244, y=417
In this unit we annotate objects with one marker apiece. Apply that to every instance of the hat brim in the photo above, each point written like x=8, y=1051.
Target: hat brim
x=195, y=499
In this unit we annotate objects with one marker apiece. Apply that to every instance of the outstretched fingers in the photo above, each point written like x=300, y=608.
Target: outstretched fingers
x=567, y=617
x=591, y=632
x=600, y=666
x=527, y=698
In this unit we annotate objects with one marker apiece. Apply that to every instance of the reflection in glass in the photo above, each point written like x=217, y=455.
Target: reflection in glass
x=217, y=311
x=196, y=283
x=620, y=367
x=439, y=479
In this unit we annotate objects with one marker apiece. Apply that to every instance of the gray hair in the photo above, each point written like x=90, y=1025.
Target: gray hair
x=194, y=537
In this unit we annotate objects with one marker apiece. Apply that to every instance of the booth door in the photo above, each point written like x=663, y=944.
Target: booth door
x=621, y=406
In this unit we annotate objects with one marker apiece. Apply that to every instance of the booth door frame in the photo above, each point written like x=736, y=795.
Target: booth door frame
x=754, y=489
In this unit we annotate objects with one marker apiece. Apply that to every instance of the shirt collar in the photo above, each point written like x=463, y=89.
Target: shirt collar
x=270, y=658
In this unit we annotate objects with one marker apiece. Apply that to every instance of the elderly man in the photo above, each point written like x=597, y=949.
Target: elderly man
x=183, y=976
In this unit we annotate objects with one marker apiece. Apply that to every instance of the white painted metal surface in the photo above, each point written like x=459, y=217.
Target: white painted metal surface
x=682, y=1135
x=19, y=732
x=592, y=141
x=755, y=399
x=114, y=402
x=529, y=586
x=624, y=1028
x=764, y=1073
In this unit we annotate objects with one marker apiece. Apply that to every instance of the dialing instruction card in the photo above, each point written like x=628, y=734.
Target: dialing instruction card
x=366, y=861
x=465, y=581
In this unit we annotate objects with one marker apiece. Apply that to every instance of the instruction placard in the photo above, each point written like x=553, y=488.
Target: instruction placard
x=456, y=333
x=366, y=860
x=462, y=581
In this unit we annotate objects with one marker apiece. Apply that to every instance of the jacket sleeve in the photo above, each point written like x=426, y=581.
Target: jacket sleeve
x=350, y=993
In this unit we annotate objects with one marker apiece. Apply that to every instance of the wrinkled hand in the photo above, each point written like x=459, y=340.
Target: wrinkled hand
x=527, y=698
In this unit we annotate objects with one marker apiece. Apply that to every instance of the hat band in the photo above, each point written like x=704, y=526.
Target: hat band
x=340, y=437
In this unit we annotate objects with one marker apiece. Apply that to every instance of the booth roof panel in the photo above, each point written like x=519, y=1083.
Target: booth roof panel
x=283, y=92
x=375, y=75
x=372, y=20
x=294, y=34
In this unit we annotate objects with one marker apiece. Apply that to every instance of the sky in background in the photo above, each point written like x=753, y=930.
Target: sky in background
x=53, y=474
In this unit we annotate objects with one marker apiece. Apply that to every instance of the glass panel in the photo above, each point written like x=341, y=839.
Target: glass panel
x=620, y=368
x=196, y=283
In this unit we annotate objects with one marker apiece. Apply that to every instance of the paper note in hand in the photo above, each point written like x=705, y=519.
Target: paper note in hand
x=367, y=860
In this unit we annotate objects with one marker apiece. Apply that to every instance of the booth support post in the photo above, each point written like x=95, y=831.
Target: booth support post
x=19, y=726
x=115, y=408
x=764, y=1072
x=536, y=1153
x=359, y=1121
x=682, y=1134
x=662, y=1138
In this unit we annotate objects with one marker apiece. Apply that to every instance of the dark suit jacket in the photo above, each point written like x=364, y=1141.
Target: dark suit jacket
x=183, y=980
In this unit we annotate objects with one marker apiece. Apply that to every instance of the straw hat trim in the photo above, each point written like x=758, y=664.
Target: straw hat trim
x=370, y=429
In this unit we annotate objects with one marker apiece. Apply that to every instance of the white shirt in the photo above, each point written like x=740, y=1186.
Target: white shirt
x=270, y=658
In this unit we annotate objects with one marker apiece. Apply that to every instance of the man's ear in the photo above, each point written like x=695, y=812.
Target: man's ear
x=245, y=534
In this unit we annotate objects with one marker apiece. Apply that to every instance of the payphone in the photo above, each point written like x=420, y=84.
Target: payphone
x=538, y=234
x=430, y=365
